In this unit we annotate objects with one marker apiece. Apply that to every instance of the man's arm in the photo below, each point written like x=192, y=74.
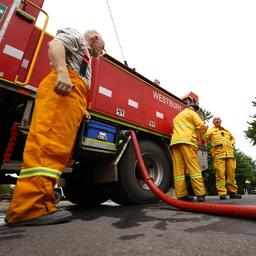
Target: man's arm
x=199, y=124
x=208, y=136
x=232, y=139
x=200, y=127
x=57, y=56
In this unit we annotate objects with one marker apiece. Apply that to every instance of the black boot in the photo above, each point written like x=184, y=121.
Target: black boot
x=187, y=198
x=48, y=219
x=233, y=195
x=201, y=198
x=223, y=197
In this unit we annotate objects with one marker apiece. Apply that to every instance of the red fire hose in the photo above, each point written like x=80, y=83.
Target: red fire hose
x=216, y=209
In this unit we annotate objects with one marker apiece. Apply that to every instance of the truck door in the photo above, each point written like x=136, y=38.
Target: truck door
x=17, y=22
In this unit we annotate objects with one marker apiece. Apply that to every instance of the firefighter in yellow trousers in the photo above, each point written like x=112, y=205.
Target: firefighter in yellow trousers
x=187, y=126
x=224, y=163
x=59, y=108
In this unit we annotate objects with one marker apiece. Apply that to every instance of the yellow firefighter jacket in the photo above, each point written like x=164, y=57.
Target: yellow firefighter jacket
x=187, y=126
x=222, y=142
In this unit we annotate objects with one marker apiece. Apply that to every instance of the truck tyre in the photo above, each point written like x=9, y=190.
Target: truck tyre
x=80, y=188
x=57, y=195
x=131, y=188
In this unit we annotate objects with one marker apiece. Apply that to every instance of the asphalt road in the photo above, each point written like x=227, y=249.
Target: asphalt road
x=112, y=230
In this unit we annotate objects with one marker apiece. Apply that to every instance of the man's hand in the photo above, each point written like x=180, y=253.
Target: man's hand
x=63, y=86
x=86, y=117
x=203, y=145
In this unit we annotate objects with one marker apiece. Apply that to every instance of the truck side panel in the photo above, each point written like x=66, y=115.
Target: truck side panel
x=158, y=110
x=122, y=95
x=115, y=92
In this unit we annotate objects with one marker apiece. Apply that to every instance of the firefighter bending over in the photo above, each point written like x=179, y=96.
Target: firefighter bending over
x=187, y=126
x=59, y=108
x=224, y=163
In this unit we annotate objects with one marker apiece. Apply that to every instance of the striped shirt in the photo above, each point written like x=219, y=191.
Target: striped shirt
x=75, y=45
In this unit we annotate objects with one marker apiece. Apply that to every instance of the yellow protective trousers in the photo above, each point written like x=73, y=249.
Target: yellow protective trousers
x=185, y=157
x=225, y=169
x=48, y=148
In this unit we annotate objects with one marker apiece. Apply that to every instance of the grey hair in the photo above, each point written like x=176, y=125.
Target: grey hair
x=91, y=33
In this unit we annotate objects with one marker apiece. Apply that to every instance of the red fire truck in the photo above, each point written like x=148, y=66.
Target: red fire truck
x=103, y=164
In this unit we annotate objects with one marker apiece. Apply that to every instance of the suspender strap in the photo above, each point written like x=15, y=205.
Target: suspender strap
x=85, y=63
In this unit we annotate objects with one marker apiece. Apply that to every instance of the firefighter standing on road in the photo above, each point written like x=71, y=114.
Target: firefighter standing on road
x=187, y=126
x=224, y=163
x=59, y=108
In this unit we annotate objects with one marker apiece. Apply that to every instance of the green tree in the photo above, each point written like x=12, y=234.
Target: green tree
x=246, y=169
x=5, y=191
x=250, y=133
x=207, y=115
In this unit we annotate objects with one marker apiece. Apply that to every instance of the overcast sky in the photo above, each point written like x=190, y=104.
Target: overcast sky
x=204, y=46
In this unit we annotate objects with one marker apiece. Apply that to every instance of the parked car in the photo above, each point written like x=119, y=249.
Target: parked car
x=253, y=191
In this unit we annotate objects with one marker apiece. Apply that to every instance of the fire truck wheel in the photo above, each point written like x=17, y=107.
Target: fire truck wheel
x=80, y=189
x=131, y=188
x=57, y=195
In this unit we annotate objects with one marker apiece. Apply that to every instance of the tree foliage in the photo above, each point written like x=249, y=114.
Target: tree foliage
x=250, y=133
x=5, y=191
x=207, y=115
x=245, y=169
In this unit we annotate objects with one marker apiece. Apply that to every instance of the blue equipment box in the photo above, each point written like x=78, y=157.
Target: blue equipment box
x=100, y=131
